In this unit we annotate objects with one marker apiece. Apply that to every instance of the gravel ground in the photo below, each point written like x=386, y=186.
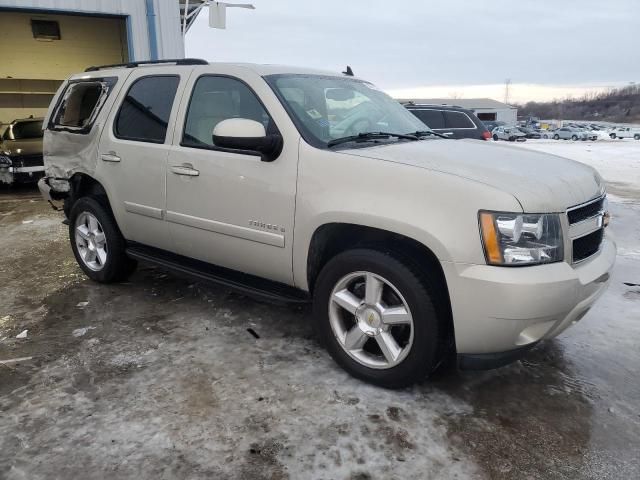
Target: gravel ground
x=160, y=378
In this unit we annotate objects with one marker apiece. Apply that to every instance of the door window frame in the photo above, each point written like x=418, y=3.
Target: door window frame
x=215, y=148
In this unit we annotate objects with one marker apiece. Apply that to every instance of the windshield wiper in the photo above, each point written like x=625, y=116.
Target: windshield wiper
x=424, y=133
x=362, y=137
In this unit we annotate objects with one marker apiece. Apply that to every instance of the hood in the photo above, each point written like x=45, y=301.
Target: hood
x=27, y=146
x=541, y=182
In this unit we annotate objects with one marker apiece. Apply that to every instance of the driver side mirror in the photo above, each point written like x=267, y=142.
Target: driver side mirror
x=247, y=135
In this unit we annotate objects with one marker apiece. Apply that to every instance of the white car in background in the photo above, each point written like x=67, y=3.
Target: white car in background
x=511, y=134
x=626, y=132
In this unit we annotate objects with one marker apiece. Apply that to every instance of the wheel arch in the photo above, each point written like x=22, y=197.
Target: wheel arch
x=330, y=239
x=83, y=185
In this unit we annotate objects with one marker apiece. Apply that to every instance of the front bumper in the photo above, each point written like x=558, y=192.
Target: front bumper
x=503, y=309
x=21, y=174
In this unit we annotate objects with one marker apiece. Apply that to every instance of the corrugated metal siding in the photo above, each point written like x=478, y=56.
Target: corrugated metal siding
x=167, y=19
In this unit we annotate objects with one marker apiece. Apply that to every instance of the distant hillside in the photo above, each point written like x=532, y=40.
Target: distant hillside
x=621, y=105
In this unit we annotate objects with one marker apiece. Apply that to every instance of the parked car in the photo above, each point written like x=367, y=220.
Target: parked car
x=492, y=124
x=512, y=134
x=546, y=133
x=625, y=132
x=21, y=151
x=530, y=132
x=587, y=134
x=404, y=242
x=454, y=122
x=568, y=133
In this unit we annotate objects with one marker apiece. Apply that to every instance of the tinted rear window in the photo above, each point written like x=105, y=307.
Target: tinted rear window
x=431, y=118
x=458, y=120
x=144, y=114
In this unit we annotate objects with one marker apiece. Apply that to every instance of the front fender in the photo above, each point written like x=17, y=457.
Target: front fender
x=438, y=210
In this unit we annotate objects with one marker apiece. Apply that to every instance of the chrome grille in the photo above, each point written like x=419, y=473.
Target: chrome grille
x=586, y=228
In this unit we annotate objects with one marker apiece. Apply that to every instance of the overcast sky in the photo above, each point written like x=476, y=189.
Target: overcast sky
x=449, y=48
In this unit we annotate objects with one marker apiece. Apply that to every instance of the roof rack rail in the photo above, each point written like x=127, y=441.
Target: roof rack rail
x=177, y=61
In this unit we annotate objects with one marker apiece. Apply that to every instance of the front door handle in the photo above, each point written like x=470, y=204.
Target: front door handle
x=110, y=157
x=185, y=169
x=447, y=133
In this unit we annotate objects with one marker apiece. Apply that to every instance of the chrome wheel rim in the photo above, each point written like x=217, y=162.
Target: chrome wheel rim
x=371, y=320
x=91, y=241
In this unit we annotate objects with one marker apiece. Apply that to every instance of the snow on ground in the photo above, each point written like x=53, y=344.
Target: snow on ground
x=618, y=161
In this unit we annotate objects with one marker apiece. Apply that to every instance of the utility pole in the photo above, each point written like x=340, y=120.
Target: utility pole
x=507, y=84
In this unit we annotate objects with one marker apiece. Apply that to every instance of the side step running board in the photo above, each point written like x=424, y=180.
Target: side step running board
x=248, y=284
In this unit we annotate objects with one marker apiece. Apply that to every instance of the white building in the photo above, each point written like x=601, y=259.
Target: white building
x=44, y=41
x=485, y=108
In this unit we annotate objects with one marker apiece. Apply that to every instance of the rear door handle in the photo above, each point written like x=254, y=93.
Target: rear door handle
x=186, y=169
x=447, y=133
x=110, y=157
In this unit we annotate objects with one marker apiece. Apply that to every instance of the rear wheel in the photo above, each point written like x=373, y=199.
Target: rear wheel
x=376, y=318
x=97, y=243
x=574, y=137
x=636, y=137
x=556, y=137
x=612, y=136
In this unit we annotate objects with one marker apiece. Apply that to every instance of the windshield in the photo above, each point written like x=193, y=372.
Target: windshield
x=24, y=130
x=326, y=108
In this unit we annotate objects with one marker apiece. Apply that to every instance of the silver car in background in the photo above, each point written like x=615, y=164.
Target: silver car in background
x=568, y=133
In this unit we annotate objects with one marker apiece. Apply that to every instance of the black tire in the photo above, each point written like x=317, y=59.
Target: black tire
x=612, y=136
x=636, y=137
x=556, y=137
x=422, y=357
x=495, y=137
x=574, y=137
x=118, y=265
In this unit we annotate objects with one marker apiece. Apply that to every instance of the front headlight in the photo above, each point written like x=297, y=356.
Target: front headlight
x=514, y=239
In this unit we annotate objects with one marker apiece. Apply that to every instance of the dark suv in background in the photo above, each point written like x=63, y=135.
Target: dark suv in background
x=454, y=122
x=21, y=151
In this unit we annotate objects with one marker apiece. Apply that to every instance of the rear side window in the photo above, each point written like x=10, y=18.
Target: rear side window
x=80, y=105
x=144, y=114
x=458, y=120
x=431, y=118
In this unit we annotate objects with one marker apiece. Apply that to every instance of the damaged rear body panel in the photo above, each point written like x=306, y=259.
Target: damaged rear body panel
x=73, y=126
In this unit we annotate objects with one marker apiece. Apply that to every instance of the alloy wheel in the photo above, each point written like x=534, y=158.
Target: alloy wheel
x=371, y=320
x=91, y=241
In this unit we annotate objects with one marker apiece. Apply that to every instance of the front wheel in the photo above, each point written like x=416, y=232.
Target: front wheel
x=97, y=243
x=376, y=317
x=612, y=136
x=574, y=137
x=636, y=137
x=556, y=137
x=495, y=137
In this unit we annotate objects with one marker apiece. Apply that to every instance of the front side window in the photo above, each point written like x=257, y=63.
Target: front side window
x=325, y=108
x=145, y=111
x=217, y=98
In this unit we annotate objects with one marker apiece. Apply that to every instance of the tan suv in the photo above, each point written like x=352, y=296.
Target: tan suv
x=301, y=185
